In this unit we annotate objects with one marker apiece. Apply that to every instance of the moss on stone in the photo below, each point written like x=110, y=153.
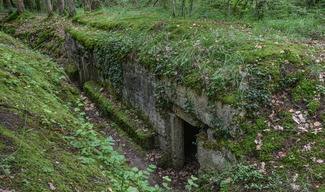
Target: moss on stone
x=210, y=145
x=145, y=139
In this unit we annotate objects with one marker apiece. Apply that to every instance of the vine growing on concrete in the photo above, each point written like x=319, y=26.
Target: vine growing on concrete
x=112, y=54
x=217, y=122
x=162, y=101
x=188, y=105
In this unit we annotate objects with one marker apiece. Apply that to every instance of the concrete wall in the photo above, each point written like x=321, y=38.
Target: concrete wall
x=139, y=89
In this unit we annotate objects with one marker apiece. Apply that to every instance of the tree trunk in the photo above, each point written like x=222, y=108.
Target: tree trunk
x=9, y=6
x=71, y=8
x=94, y=5
x=228, y=9
x=54, y=5
x=49, y=9
x=13, y=3
x=191, y=7
x=183, y=6
x=61, y=6
x=87, y=5
x=38, y=5
x=173, y=8
x=20, y=6
x=29, y=4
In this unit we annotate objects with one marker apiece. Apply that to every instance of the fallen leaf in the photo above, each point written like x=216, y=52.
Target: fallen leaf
x=278, y=128
x=316, y=124
x=295, y=119
x=282, y=154
x=259, y=135
x=313, y=158
x=295, y=187
x=301, y=118
x=52, y=186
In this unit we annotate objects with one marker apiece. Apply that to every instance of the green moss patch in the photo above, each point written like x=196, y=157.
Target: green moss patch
x=128, y=121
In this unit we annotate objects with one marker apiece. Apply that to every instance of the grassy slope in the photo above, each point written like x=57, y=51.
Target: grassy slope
x=43, y=140
x=225, y=58
x=35, y=104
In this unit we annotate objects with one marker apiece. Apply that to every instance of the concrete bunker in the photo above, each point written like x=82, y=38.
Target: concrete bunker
x=139, y=89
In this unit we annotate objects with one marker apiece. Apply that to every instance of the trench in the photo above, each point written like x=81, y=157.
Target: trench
x=140, y=158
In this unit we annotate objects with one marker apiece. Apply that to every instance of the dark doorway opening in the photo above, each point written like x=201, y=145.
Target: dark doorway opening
x=190, y=147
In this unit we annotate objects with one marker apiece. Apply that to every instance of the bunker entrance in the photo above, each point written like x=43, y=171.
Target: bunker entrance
x=190, y=147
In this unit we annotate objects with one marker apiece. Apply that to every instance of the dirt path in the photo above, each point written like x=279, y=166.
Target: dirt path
x=124, y=145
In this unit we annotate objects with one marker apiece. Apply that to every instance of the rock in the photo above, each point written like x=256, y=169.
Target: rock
x=214, y=159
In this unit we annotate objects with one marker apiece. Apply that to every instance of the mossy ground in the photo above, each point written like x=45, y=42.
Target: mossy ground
x=41, y=33
x=35, y=105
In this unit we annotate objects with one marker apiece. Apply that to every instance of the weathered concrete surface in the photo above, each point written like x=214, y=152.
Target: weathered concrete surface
x=217, y=160
x=138, y=90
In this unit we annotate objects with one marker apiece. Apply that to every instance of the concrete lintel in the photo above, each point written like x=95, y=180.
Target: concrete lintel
x=183, y=115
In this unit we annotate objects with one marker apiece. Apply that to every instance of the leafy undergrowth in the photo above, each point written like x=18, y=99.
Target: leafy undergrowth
x=46, y=141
